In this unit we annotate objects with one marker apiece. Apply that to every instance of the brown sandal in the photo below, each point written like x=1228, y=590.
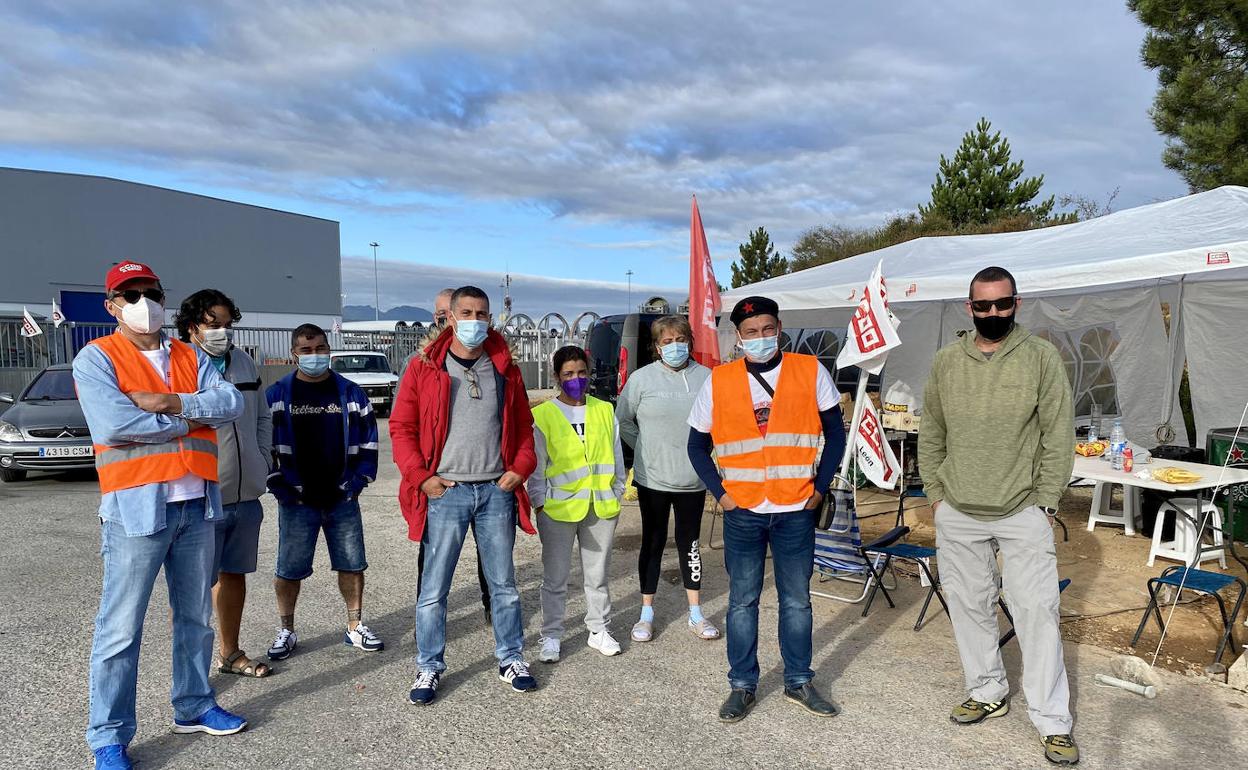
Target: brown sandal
x=253, y=669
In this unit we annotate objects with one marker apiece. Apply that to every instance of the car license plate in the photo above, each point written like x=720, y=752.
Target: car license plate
x=377, y=399
x=66, y=451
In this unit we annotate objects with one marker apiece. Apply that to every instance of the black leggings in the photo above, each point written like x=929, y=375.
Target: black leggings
x=655, y=506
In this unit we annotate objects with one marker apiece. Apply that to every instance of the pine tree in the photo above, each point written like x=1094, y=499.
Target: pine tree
x=1199, y=49
x=759, y=260
x=980, y=185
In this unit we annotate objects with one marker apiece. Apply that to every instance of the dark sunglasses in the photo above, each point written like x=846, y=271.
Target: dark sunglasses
x=132, y=296
x=986, y=305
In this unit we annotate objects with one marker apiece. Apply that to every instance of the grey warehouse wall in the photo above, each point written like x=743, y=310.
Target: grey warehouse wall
x=63, y=231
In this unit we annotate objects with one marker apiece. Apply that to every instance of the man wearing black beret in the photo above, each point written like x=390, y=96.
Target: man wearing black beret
x=763, y=416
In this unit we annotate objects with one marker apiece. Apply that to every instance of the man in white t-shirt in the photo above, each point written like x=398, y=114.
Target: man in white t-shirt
x=762, y=418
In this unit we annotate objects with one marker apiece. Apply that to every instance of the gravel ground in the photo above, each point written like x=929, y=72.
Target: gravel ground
x=653, y=706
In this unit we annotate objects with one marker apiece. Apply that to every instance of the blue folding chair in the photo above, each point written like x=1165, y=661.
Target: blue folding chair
x=838, y=550
x=888, y=545
x=1200, y=581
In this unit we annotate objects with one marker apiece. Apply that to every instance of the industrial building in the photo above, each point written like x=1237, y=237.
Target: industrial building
x=60, y=232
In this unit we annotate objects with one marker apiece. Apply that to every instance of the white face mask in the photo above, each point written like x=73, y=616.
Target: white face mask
x=215, y=342
x=143, y=317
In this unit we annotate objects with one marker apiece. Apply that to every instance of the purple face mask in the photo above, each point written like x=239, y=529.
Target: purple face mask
x=575, y=387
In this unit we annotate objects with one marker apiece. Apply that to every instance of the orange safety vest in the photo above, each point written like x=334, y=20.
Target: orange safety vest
x=778, y=467
x=134, y=465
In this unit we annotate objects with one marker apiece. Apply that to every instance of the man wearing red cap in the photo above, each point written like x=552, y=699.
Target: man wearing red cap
x=152, y=404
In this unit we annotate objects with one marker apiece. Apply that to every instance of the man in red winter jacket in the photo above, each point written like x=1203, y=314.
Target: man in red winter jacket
x=463, y=440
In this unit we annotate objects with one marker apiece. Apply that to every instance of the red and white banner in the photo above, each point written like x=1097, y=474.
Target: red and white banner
x=58, y=317
x=704, y=302
x=872, y=330
x=29, y=327
x=874, y=455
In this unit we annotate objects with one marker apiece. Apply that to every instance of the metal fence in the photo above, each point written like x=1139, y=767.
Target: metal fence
x=533, y=343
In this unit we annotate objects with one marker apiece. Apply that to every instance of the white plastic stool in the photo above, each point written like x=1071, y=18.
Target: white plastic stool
x=1184, y=546
x=1100, y=512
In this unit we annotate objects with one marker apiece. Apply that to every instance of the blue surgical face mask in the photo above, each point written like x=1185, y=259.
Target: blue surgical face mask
x=675, y=354
x=470, y=333
x=760, y=350
x=314, y=364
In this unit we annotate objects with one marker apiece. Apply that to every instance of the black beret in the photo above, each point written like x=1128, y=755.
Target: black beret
x=752, y=306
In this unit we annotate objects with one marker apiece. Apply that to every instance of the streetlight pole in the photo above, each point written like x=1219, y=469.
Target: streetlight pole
x=376, y=292
x=630, y=290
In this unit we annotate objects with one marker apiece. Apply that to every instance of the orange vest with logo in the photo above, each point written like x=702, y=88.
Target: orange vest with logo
x=134, y=465
x=778, y=467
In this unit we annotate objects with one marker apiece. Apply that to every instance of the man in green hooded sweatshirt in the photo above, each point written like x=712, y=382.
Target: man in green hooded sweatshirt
x=996, y=448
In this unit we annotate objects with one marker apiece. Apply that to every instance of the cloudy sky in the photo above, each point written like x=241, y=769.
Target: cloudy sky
x=563, y=139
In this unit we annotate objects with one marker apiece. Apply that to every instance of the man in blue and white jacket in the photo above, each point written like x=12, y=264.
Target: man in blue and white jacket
x=325, y=442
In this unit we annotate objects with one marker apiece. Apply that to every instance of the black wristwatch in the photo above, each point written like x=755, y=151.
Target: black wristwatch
x=1050, y=512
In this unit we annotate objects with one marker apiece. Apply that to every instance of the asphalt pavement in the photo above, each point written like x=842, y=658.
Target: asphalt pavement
x=653, y=706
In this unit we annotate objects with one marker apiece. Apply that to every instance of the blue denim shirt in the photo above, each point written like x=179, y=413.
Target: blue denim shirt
x=114, y=419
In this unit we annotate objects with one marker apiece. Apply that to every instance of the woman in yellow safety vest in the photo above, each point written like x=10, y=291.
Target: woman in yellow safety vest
x=576, y=492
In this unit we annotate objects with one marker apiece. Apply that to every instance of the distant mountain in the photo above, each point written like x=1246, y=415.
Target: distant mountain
x=400, y=313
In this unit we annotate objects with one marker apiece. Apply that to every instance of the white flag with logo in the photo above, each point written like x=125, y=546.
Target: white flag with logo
x=29, y=327
x=58, y=317
x=872, y=330
x=337, y=325
x=873, y=452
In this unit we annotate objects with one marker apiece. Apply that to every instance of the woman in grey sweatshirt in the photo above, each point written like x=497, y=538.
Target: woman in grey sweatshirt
x=652, y=410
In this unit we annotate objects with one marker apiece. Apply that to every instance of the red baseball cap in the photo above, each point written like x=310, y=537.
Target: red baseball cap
x=127, y=271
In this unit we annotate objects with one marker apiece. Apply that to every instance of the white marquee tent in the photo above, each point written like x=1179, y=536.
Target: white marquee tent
x=1094, y=288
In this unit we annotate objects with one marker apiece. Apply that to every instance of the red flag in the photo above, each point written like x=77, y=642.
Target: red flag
x=704, y=302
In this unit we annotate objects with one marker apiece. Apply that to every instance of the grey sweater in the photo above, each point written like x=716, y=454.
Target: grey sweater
x=653, y=410
x=245, y=446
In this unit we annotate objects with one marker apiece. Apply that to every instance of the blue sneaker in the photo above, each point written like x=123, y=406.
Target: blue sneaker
x=517, y=675
x=424, y=689
x=214, y=721
x=112, y=757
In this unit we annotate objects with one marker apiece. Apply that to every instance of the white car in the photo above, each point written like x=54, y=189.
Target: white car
x=372, y=372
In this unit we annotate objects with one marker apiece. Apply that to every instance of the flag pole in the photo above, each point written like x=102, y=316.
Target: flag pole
x=859, y=405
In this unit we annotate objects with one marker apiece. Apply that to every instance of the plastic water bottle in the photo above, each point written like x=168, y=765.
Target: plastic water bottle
x=1117, y=443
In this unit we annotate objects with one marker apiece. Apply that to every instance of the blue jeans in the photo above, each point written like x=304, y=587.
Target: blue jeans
x=297, y=528
x=185, y=548
x=792, y=539
x=238, y=538
x=493, y=514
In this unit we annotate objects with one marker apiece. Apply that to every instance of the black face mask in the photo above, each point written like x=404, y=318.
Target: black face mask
x=993, y=327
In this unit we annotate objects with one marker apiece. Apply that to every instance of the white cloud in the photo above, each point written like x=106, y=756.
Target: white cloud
x=408, y=283
x=783, y=114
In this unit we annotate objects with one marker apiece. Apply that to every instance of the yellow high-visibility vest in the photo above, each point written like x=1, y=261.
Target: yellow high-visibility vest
x=579, y=472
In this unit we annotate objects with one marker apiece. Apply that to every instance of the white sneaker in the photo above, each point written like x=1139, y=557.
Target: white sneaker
x=362, y=637
x=604, y=642
x=283, y=645
x=550, y=651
